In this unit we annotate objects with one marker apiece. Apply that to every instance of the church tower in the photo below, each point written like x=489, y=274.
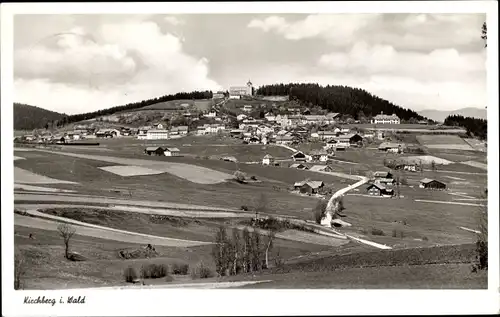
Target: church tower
x=249, y=88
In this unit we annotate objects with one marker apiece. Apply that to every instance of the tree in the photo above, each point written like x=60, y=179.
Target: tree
x=247, y=251
x=19, y=269
x=398, y=191
x=236, y=251
x=256, y=250
x=270, y=239
x=484, y=35
x=482, y=237
x=66, y=231
x=433, y=166
x=220, y=252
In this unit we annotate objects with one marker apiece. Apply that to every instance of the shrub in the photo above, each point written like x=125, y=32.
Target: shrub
x=130, y=274
x=180, y=269
x=253, y=178
x=169, y=278
x=204, y=271
x=154, y=270
x=278, y=261
x=377, y=232
x=398, y=233
x=244, y=208
x=320, y=210
x=425, y=238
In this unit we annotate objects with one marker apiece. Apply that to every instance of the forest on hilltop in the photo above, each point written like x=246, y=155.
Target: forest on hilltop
x=27, y=117
x=475, y=127
x=342, y=99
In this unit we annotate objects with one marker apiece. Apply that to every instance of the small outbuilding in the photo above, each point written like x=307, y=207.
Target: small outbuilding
x=432, y=184
x=171, y=151
x=268, y=160
x=309, y=187
x=156, y=150
x=299, y=156
x=379, y=189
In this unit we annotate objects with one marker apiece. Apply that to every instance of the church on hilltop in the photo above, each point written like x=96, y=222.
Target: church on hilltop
x=237, y=92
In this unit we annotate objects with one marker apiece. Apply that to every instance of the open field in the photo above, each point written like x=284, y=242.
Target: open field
x=452, y=142
x=417, y=128
x=167, y=187
x=130, y=170
x=26, y=177
x=476, y=144
x=201, y=105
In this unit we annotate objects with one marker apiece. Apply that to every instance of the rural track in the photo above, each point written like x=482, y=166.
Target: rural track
x=201, y=285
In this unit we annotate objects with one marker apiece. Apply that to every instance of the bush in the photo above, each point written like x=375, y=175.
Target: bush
x=377, y=232
x=154, y=271
x=180, y=269
x=244, y=208
x=202, y=271
x=320, y=210
x=130, y=275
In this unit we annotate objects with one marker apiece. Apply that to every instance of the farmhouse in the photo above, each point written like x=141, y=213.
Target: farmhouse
x=378, y=189
x=241, y=117
x=321, y=168
x=432, y=183
x=253, y=140
x=180, y=130
x=299, y=166
x=331, y=116
x=171, y=151
x=348, y=139
x=314, y=119
x=156, y=150
x=236, y=132
x=391, y=147
x=299, y=156
x=211, y=114
x=340, y=147
x=210, y=129
x=309, y=187
x=270, y=117
x=411, y=167
x=107, y=133
x=319, y=155
x=155, y=134
x=268, y=160
x=327, y=135
x=158, y=126
x=385, y=181
x=385, y=119
x=218, y=95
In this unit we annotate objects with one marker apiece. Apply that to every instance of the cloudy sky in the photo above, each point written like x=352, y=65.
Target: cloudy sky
x=81, y=63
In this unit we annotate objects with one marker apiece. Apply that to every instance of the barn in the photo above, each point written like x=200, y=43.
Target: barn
x=432, y=184
x=299, y=156
x=309, y=187
x=171, y=151
x=156, y=150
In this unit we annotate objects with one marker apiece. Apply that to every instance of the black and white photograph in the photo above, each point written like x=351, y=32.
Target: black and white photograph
x=295, y=146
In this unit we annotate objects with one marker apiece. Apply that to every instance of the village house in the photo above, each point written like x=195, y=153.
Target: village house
x=321, y=168
x=236, y=132
x=210, y=129
x=309, y=187
x=331, y=117
x=270, y=117
x=380, y=135
x=158, y=126
x=299, y=156
x=411, y=167
x=391, y=147
x=348, y=140
x=218, y=95
x=171, y=151
x=379, y=189
x=340, y=147
x=295, y=120
x=154, y=150
x=247, y=108
x=229, y=159
x=369, y=135
x=284, y=139
x=107, y=133
x=319, y=155
x=432, y=184
x=155, y=134
x=252, y=140
x=249, y=123
x=237, y=92
x=314, y=119
x=381, y=175
x=211, y=114
x=268, y=160
x=386, y=119
x=180, y=130
x=326, y=135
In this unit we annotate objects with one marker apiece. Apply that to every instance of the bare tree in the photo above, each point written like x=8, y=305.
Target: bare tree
x=261, y=206
x=270, y=239
x=19, y=269
x=433, y=166
x=66, y=232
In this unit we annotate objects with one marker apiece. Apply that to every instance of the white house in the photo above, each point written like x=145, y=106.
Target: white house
x=270, y=117
x=156, y=134
x=268, y=160
x=180, y=130
x=247, y=108
x=158, y=126
x=210, y=129
x=236, y=92
x=386, y=119
x=171, y=151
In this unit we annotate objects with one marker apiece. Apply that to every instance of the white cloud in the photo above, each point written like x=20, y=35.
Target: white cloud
x=173, y=20
x=130, y=61
x=440, y=64
x=413, y=31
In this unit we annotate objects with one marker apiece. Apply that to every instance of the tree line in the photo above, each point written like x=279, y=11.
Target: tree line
x=475, y=127
x=131, y=106
x=342, y=99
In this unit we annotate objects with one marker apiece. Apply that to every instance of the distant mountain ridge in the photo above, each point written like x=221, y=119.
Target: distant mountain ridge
x=440, y=115
x=27, y=117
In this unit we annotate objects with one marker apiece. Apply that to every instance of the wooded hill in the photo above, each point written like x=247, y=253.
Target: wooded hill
x=342, y=99
x=475, y=127
x=28, y=117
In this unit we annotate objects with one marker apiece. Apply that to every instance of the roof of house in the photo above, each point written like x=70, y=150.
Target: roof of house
x=229, y=158
x=386, y=117
x=314, y=117
x=312, y=184
x=172, y=149
x=157, y=131
x=347, y=136
x=318, y=168
x=284, y=138
x=385, y=180
x=180, y=128
x=381, y=173
x=268, y=156
x=332, y=114
x=298, y=152
x=428, y=180
x=153, y=148
x=378, y=185
x=297, y=165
